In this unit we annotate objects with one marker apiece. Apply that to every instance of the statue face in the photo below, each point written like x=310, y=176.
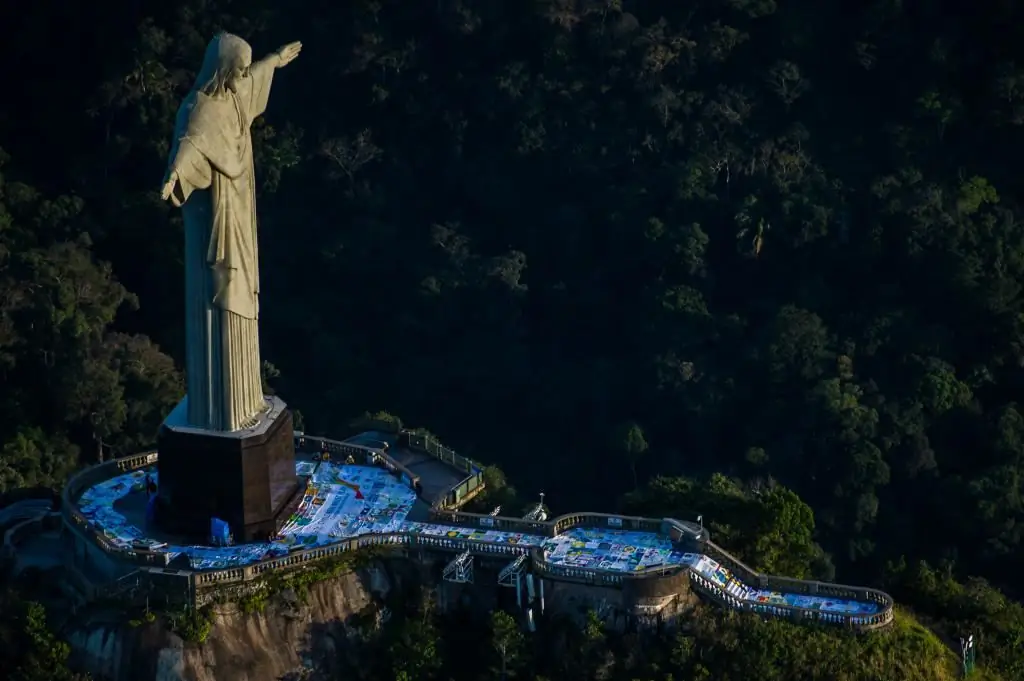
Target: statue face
x=238, y=77
x=225, y=66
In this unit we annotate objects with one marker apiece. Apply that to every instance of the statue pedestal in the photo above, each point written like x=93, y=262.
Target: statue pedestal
x=246, y=478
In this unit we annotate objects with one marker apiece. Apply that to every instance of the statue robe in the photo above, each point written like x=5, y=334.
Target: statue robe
x=212, y=157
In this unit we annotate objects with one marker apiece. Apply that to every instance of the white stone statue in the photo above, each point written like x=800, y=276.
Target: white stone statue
x=210, y=177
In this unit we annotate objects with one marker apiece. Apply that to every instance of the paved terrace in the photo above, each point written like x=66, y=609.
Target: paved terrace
x=437, y=478
x=345, y=501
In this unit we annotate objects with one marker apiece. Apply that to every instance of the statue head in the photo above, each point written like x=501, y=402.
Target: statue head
x=225, y=65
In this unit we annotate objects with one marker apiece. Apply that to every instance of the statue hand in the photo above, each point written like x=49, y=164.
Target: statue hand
x=287, y=54
x=172, y=179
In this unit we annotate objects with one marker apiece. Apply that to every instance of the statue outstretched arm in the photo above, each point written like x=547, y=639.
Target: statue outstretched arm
x=287, y=54
x=279, y=58
x=261, y=76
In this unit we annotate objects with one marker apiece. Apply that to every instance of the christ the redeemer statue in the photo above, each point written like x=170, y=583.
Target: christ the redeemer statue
x=210, y=177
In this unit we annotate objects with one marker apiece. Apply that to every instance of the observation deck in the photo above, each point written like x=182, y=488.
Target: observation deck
x=406, y=491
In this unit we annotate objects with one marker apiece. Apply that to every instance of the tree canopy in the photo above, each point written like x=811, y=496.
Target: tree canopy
x=592, y=242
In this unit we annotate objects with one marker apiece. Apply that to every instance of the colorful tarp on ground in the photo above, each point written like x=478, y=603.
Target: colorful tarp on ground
x=614, y=550
x=341, y=501
x=348, y=501
x=721, y=576
x=344, y=501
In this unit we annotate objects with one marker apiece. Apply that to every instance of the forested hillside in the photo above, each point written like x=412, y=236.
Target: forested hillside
x=590, y=241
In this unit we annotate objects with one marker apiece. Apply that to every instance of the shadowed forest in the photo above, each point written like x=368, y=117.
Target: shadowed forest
x=756, y=260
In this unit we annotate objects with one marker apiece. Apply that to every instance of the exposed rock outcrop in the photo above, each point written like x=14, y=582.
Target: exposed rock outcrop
x=288, y=635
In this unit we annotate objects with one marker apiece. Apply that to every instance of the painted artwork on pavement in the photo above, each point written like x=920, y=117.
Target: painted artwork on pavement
x=341, y=501
x=97, y=505
x=473, y=534
x=344, y=501
x=724, y=579
x=614, y=550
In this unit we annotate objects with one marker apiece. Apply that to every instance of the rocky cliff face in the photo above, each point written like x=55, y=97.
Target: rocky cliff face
x=290, y=634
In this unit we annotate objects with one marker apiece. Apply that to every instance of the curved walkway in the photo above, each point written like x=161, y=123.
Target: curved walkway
x=347, y=504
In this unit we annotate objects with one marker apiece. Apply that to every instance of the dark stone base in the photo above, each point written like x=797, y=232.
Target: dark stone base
x=246, y=478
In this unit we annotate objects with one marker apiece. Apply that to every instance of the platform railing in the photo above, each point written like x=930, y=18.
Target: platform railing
x=361, y=453
x=488, y=522
x=406, y=540
x=744, y=572
x=597, y=577
x=547, y=528
x=429, y=445
x=679, y=531
x=607, y=521
x=715, y=593
x=462, y=491
x=86, y=478
x=807, y=587
x=564, y=523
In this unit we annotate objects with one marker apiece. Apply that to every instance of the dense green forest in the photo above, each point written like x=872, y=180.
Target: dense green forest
x=420, y=643
x=593, y=242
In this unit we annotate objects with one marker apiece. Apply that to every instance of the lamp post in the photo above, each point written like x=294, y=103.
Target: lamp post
x=967, y=654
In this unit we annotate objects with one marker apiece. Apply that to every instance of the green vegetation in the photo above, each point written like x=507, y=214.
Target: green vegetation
x=299, y=581
x=765, y=256
x=420, y=642
x=769, y=527
x=193, y=625
x=147, y=618
x=423, y=644
x=28, y=648
x=952, y=608
x=381, y=420
x=776, y=651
